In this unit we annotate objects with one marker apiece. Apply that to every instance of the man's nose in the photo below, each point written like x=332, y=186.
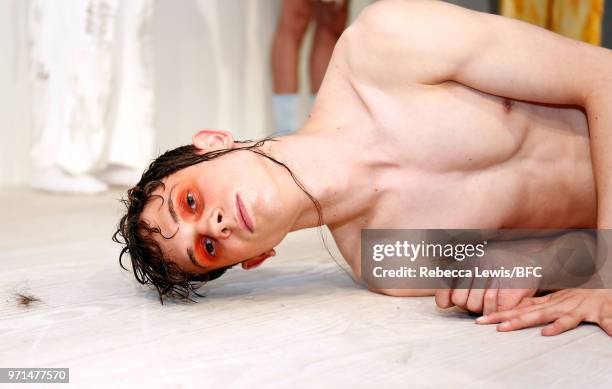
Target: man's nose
x=218, y=224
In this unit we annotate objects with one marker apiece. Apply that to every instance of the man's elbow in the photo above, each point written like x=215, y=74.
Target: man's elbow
x=596, y=87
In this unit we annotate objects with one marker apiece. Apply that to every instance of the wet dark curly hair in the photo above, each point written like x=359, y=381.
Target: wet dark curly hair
x=149, y=264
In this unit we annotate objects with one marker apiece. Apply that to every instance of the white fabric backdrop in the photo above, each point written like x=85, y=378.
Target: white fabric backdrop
x=211, y=70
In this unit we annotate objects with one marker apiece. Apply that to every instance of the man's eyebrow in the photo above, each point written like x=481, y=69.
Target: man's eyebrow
x=171, y=206
x=174, y=216
x=193, y=260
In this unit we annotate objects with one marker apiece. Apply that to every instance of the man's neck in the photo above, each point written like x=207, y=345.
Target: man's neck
x=330, y=169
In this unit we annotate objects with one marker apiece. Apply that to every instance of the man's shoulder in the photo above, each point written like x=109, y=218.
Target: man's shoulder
x=416, y=16
x=409, y=40
x=377, y=41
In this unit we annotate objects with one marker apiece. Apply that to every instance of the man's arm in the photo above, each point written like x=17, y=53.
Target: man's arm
x=436, y=42
x=403, y=292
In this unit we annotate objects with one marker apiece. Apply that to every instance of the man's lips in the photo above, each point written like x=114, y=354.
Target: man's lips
x=243, y=214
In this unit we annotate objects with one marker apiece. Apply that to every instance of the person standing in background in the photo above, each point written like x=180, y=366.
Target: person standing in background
x=577, y=19
x=92, y=93
x=295, y=17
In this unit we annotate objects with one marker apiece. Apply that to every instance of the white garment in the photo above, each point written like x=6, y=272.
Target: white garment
x=87, y=55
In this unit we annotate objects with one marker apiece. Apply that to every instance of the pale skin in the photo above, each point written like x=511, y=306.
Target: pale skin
x=452, y=127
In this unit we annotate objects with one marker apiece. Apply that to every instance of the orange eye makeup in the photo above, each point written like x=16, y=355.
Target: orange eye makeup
x=190, y=201
x=201, y=252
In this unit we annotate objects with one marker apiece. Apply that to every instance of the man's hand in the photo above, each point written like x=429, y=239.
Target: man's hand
x=561, y=311
x=486, y=301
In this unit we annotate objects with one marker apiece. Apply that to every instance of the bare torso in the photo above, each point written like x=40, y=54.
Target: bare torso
x=457, y=157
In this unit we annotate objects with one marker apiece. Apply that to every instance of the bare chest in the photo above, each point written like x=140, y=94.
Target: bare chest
x=452, y=127
x=466, y=159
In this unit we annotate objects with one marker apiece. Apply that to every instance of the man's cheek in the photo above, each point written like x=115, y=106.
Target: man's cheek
x=236, y=255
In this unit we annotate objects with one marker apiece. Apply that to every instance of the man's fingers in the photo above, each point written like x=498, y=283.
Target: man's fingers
x=606, y=325
x=446, y=298
x=559, y=311
x=490, y=301
x=530, y=319
x=459, y=297
x=529, y=301
x=475, y=300
x=562, y=324
x=498, y=317
x=526, y=302
x=443, y=298
x=510, y=298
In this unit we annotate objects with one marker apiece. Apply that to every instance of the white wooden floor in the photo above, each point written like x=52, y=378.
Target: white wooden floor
x=298, y=321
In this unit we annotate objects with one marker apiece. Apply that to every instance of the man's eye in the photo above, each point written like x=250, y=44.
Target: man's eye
x=209, y=246
x=191, y=201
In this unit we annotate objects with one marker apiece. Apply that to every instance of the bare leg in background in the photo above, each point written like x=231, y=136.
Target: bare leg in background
x=295, y=17
x=331, y=20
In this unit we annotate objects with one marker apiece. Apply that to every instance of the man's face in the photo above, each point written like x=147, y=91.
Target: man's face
x=223, y=211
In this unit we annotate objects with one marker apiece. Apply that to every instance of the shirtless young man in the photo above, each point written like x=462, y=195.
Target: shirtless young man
x=429, y=116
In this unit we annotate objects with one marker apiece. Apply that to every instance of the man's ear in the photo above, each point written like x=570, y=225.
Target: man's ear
x=254, y=262
x=211, y=140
